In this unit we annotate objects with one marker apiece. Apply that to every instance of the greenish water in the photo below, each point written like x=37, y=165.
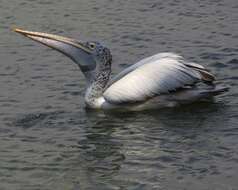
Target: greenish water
x=49, y=141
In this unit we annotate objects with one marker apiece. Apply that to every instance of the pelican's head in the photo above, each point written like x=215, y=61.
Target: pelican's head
x=85, y=54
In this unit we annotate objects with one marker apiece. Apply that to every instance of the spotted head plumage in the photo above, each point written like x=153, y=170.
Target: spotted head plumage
x=102, y=54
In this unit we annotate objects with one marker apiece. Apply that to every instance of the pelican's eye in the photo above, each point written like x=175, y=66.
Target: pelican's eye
x=92, y=46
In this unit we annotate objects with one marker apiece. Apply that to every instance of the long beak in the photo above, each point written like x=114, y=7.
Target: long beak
x=72, y=48
x=37, y=36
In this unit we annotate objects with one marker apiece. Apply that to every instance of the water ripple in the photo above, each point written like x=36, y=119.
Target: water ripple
x=48, y=139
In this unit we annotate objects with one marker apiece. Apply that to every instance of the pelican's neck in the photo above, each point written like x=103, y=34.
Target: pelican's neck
x=96, y=87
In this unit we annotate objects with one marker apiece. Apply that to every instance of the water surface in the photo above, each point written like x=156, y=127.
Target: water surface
x=49, y=141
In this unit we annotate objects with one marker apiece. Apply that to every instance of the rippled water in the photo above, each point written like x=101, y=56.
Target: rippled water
x=49, y=141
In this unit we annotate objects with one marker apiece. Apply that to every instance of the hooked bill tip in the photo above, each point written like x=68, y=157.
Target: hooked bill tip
x=18, y=30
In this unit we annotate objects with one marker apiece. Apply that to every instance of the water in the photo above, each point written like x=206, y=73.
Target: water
x=49, y=141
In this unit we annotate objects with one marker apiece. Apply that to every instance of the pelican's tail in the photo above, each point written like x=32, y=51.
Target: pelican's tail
x=217, y=90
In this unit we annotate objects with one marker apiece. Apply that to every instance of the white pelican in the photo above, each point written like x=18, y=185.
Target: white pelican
x=162, y=80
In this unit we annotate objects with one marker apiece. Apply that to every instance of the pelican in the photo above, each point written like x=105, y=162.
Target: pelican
x=162, y=80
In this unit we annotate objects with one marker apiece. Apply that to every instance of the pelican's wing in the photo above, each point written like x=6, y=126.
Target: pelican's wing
x=142, y=62
x=159, y=74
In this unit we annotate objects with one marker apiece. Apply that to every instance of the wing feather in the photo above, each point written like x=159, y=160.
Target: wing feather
x=159, y=74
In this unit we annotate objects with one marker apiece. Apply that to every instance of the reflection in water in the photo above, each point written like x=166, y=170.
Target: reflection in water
x=102, y=156
x=112, y=150
x=120, y=145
